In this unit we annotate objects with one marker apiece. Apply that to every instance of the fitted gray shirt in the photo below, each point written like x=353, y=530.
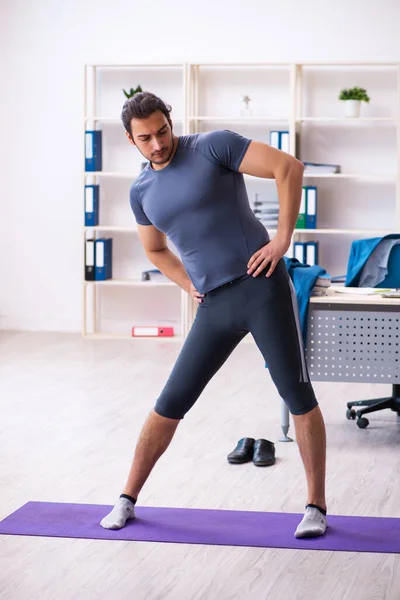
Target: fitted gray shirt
x=200, y=202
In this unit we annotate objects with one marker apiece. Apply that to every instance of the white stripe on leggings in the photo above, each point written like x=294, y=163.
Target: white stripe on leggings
x=304, y=372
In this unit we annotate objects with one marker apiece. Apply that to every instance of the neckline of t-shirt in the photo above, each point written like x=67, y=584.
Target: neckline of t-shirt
x=173, y=158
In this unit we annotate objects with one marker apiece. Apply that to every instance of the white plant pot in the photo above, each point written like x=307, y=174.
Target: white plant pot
x=352, y=108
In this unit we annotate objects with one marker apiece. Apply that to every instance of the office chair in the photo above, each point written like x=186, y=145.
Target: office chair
x=392, y=280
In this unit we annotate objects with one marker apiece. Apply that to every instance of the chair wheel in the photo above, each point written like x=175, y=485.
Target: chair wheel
x=350, y=414
x=362, y=423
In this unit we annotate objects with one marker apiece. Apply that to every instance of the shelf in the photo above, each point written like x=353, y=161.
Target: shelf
x=254, y=120
x=375, y=176
x=120, y=174
x=118, y=120
x=136, y=66
x=347, y=120
x=133, y=283
x=126, y=336
x=112, y=228
x=344, y=231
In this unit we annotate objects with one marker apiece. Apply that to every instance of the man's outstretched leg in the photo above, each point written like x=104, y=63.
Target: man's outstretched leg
x=311, y=439
x=154, y=439
x=211, y=339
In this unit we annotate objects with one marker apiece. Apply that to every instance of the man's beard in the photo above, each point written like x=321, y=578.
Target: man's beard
x=165, y=157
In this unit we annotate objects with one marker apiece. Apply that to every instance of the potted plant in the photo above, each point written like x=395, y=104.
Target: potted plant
x=132, y=91
x=352, y=98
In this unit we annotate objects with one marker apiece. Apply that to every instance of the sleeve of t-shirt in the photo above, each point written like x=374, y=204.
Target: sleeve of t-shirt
x=224, y=147
x=137, y=208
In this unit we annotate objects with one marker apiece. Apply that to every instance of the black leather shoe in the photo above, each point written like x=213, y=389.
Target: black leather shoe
x=264, y=453
x=243, y=452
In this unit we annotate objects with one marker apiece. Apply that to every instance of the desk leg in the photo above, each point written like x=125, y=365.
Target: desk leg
x=285, y=423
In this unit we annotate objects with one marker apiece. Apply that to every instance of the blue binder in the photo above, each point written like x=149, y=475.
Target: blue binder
x=274, y=139
x=92, y=193
x=93, y=150
x=300, y=251
x=284, y=142
x=103, y=255
x=311, y=207
x=311, y=251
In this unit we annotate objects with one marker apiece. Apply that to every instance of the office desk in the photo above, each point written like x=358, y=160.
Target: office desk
x=351, y=337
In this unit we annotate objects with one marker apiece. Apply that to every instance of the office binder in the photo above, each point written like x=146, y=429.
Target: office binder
x=93, y=150
x=301, y=218
x=284, y=141
x=103, y=259
x=140, y=331
x=311, y=207
x=311, y=257
x=299, y=251
x=90, y=260
x=274, y=139
x=92, y=205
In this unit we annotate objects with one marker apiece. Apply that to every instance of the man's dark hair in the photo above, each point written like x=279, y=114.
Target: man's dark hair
x=141, y=106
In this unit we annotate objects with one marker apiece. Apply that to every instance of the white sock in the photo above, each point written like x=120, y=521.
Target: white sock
x=117, y=518
x=314, y=523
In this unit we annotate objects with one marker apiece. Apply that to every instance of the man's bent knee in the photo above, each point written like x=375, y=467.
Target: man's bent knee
x=299, y=398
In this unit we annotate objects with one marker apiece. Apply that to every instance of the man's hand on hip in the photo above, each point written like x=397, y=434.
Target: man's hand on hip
x=195, y=294
x=267, y=255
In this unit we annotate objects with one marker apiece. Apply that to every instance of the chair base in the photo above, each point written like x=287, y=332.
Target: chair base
x=392, y=402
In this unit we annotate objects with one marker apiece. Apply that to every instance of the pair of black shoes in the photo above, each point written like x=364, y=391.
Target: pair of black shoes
x=261, y=452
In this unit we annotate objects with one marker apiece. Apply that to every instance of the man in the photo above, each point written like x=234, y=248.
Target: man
x=193, y=193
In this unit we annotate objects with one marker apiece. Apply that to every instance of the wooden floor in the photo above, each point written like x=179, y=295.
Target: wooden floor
x=70, y=414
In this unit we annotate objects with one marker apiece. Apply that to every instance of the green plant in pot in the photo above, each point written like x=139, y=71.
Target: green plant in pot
x=352, y=98
x=132, y=91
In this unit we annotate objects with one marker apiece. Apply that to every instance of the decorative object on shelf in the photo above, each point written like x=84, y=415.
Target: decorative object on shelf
x=352, y=98
x=132, y=92
x=246, y=111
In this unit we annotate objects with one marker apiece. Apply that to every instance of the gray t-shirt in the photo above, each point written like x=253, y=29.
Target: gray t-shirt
x=200, y=202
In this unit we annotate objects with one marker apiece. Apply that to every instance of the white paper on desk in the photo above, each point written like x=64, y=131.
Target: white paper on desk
x=365, y=291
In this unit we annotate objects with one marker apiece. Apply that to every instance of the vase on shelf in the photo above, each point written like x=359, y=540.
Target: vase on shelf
x=246, y=111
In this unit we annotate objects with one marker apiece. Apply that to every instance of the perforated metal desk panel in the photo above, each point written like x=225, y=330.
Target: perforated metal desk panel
x=353, y=338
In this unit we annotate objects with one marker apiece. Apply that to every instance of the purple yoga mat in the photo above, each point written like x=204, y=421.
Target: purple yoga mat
x=200, y=526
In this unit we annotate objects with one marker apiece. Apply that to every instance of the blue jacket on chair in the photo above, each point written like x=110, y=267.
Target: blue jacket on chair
x=360, y=252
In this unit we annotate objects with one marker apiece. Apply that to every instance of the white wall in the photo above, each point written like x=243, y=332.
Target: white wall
x=43, y=47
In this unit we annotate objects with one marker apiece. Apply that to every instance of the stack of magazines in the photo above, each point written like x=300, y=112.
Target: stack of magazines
x=321, y=286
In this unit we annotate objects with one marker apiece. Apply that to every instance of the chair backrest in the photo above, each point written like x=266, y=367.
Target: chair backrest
x=392, y=279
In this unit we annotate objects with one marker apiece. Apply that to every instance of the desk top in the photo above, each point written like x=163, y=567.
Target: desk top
x=334, y=297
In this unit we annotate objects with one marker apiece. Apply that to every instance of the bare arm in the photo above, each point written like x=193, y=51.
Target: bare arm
x=262, y=160
x=157, y=251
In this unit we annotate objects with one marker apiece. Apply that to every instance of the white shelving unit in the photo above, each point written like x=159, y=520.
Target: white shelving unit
x=103, y=96
x=293, y=97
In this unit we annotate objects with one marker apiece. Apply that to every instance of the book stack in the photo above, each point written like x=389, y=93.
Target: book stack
x=321, y=286
x=267, y=212
x=153, y=275
x=320, y=168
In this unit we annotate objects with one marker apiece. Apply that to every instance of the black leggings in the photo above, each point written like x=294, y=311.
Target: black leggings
x=265, y=307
